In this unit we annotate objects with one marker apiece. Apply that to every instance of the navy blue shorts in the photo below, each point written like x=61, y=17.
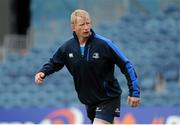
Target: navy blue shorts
x=105, y=110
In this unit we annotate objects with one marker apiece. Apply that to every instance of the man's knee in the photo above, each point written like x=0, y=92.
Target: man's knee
x=100, y=121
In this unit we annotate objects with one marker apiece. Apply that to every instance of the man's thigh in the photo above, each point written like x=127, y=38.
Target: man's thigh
x=105, y=111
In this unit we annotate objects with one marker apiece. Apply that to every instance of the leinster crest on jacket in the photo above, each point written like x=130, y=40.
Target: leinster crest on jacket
x=96, y=56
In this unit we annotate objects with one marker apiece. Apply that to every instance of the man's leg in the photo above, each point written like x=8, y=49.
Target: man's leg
x=91, y=115
x=106, y=111
x=100, y=121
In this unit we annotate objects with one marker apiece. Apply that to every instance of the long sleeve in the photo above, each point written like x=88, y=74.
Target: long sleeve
x=55, y=63
x=126, y=68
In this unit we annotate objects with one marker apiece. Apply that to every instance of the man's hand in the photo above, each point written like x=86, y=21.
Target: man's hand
x=133, y=101
x=39, y=77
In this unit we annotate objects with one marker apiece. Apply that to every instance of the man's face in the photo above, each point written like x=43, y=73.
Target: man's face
x=82, y=27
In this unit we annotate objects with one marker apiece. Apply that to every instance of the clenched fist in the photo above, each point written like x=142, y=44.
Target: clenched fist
x=133, y=101
x=39, y=77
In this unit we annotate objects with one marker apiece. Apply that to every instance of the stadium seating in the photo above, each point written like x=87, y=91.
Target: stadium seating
x=151, y=42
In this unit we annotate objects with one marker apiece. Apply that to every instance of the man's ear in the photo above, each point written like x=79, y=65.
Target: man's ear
x=72, y=27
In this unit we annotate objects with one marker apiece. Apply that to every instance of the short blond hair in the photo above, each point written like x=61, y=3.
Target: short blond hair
x=79, y=13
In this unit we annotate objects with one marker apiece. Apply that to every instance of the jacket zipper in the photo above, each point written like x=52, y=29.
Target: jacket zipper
x=87, y=57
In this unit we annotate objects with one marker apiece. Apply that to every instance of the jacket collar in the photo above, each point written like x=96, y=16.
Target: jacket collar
x=89, y=39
